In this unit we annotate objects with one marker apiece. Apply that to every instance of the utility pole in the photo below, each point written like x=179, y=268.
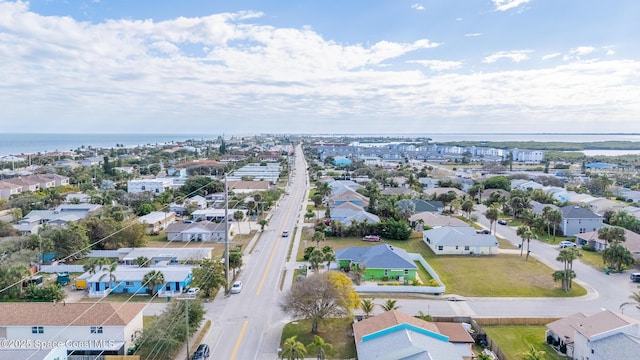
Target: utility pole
x=226, y=235
x=186, y=312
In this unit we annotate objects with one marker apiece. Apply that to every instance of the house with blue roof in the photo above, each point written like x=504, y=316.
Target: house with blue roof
x=381, y=262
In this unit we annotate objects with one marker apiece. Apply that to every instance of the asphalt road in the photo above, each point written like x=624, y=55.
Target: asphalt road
x=248, y=325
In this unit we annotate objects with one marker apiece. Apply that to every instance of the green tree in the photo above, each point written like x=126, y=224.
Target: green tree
x=317, y=237
x=389, y=305
x=235, y=260
x=320, y=347
x=262, y=224
x=612, y=234
x=70, y=241
x=617, y=256
x=142, y=261
x=44, y=293
x=492, y=215
x=237, y=216
x=329, y=256
x=293, y=349
x=209, y=276
x=316, y=258
x=316, y=298
x=145, y=209
x=396, y=230
x=468, y=207
x=534, y=354
x=152, y=280
x=566, y=275
x=498, y=182
x=367, y=306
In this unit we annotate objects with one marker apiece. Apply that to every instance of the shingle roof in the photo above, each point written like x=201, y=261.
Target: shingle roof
x=60, y=314
x=578, y=212
x=382, y=256
x=460, y=235
x=386, y=320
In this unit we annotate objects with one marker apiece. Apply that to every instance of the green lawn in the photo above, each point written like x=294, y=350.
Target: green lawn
x=516, y=340
x=336, y=332
x=485, y=276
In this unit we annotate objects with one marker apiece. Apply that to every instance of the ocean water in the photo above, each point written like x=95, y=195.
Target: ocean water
x=16, y=144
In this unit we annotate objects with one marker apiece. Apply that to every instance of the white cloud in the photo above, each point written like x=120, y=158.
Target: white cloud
x=504, y=5
x=418, y=7
x=551, y=56
x=227, y=73
x=582, y=50
x=515, y=56
x=472, y=34
x=438, y=65
x=610, y=52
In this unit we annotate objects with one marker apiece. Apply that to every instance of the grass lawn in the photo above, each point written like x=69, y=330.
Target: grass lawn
x=498, y=276
x=516, y=340
x=485, y=276
x=147, y=320
x=336, y=332
x=592, y=258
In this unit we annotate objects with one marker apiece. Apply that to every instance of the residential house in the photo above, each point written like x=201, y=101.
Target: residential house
x=348, y=196
x=398, y=191
x=166, y=256
x=578, y=220
x=443, y=190
x=157, y=221
x=525, y=184
x=600, y=205
x=196, y=203
x=130, y=280
x=434, y=220
x=7, y=189
x=602, y=336
x=27, y=183
x=428, y=183
x=197, y=231
x=77, y=198
x=58, y=353
x=632, y=241
x=155, y=186
x=381, y=262
x=396, y=335
x=59, y=216
x=245, y=187
x=347, y=213
x=430, y=206
x=50, y=180
x=341, y=161
x=101, y=328
x=92, y=161
x=538, y=208
x=459, y=241
x=269, y=172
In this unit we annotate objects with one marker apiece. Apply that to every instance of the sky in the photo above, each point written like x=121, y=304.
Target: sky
x=330, y=67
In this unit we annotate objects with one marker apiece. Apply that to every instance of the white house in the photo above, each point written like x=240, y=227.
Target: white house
x=601, y=336
x=83, y=328
x=197, y=231
x=459, y=240
x=7, y=189
x=157, y=220
x=155, y=186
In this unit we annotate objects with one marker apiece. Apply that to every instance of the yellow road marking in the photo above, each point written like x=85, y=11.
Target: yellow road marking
x=235, y=348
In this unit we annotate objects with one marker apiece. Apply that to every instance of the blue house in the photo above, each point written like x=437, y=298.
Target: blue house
x=129, y=280
x=341, y=160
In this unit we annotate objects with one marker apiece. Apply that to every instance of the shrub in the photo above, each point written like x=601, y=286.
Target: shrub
x=588, y=248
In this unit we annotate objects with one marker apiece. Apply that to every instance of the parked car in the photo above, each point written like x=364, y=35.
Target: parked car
x=202, y=352
x=635, y=277
x=565, y=244
x=236, y=287
x=193, y=291
x=502, y=222
x=285, y=233
x=483, y=231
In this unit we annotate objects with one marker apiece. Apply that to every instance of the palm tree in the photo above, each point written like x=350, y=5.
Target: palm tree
x=422, y=316
x=389, y=305
x=142, y=261
x=566, y=256
x=152, y=280
x=525, y=234
x=316, y=258
x=468, y=207
x=555, y=218
x=492, y=215
x=367, y=307
x=293, y=349
x=329, y=256
x=612, y=234
x=317, y=237
x=319, y=346
x=110, y=274
x=237, y=216
x=534, y=354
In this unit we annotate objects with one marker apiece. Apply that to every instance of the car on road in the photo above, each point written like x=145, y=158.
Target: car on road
x=285, y=233
x=202, y=352
x=502, y=222
x=236, y=287
x=566, y=244
x=635, y=277
x=483, y=231
x=193, y=291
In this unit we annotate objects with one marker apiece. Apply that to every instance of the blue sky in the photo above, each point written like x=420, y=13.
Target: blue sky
x=241, y=67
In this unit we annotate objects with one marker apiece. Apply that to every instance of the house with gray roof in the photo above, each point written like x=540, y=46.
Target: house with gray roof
x=577, y=220
x=601, y=336
x=381, y=262
x=459, y=241
x=430, y=206
x=60, y=216
x=197, y=231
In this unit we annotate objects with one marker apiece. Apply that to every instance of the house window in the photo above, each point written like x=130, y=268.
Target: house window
x=96, y=329
x=157, y=191
x=128, y=283
x=466, y=247
x=37, y=330
x=456, y=247
x=440, y=247
x=406, y=271
x=386, y=272
x=168, y=287
x=144, y=188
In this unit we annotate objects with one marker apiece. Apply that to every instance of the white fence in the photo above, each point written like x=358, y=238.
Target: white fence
x=436, y=290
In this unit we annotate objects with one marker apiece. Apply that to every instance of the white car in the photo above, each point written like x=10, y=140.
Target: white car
x=236, y=287
x=193, y=291
x=565, y=244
